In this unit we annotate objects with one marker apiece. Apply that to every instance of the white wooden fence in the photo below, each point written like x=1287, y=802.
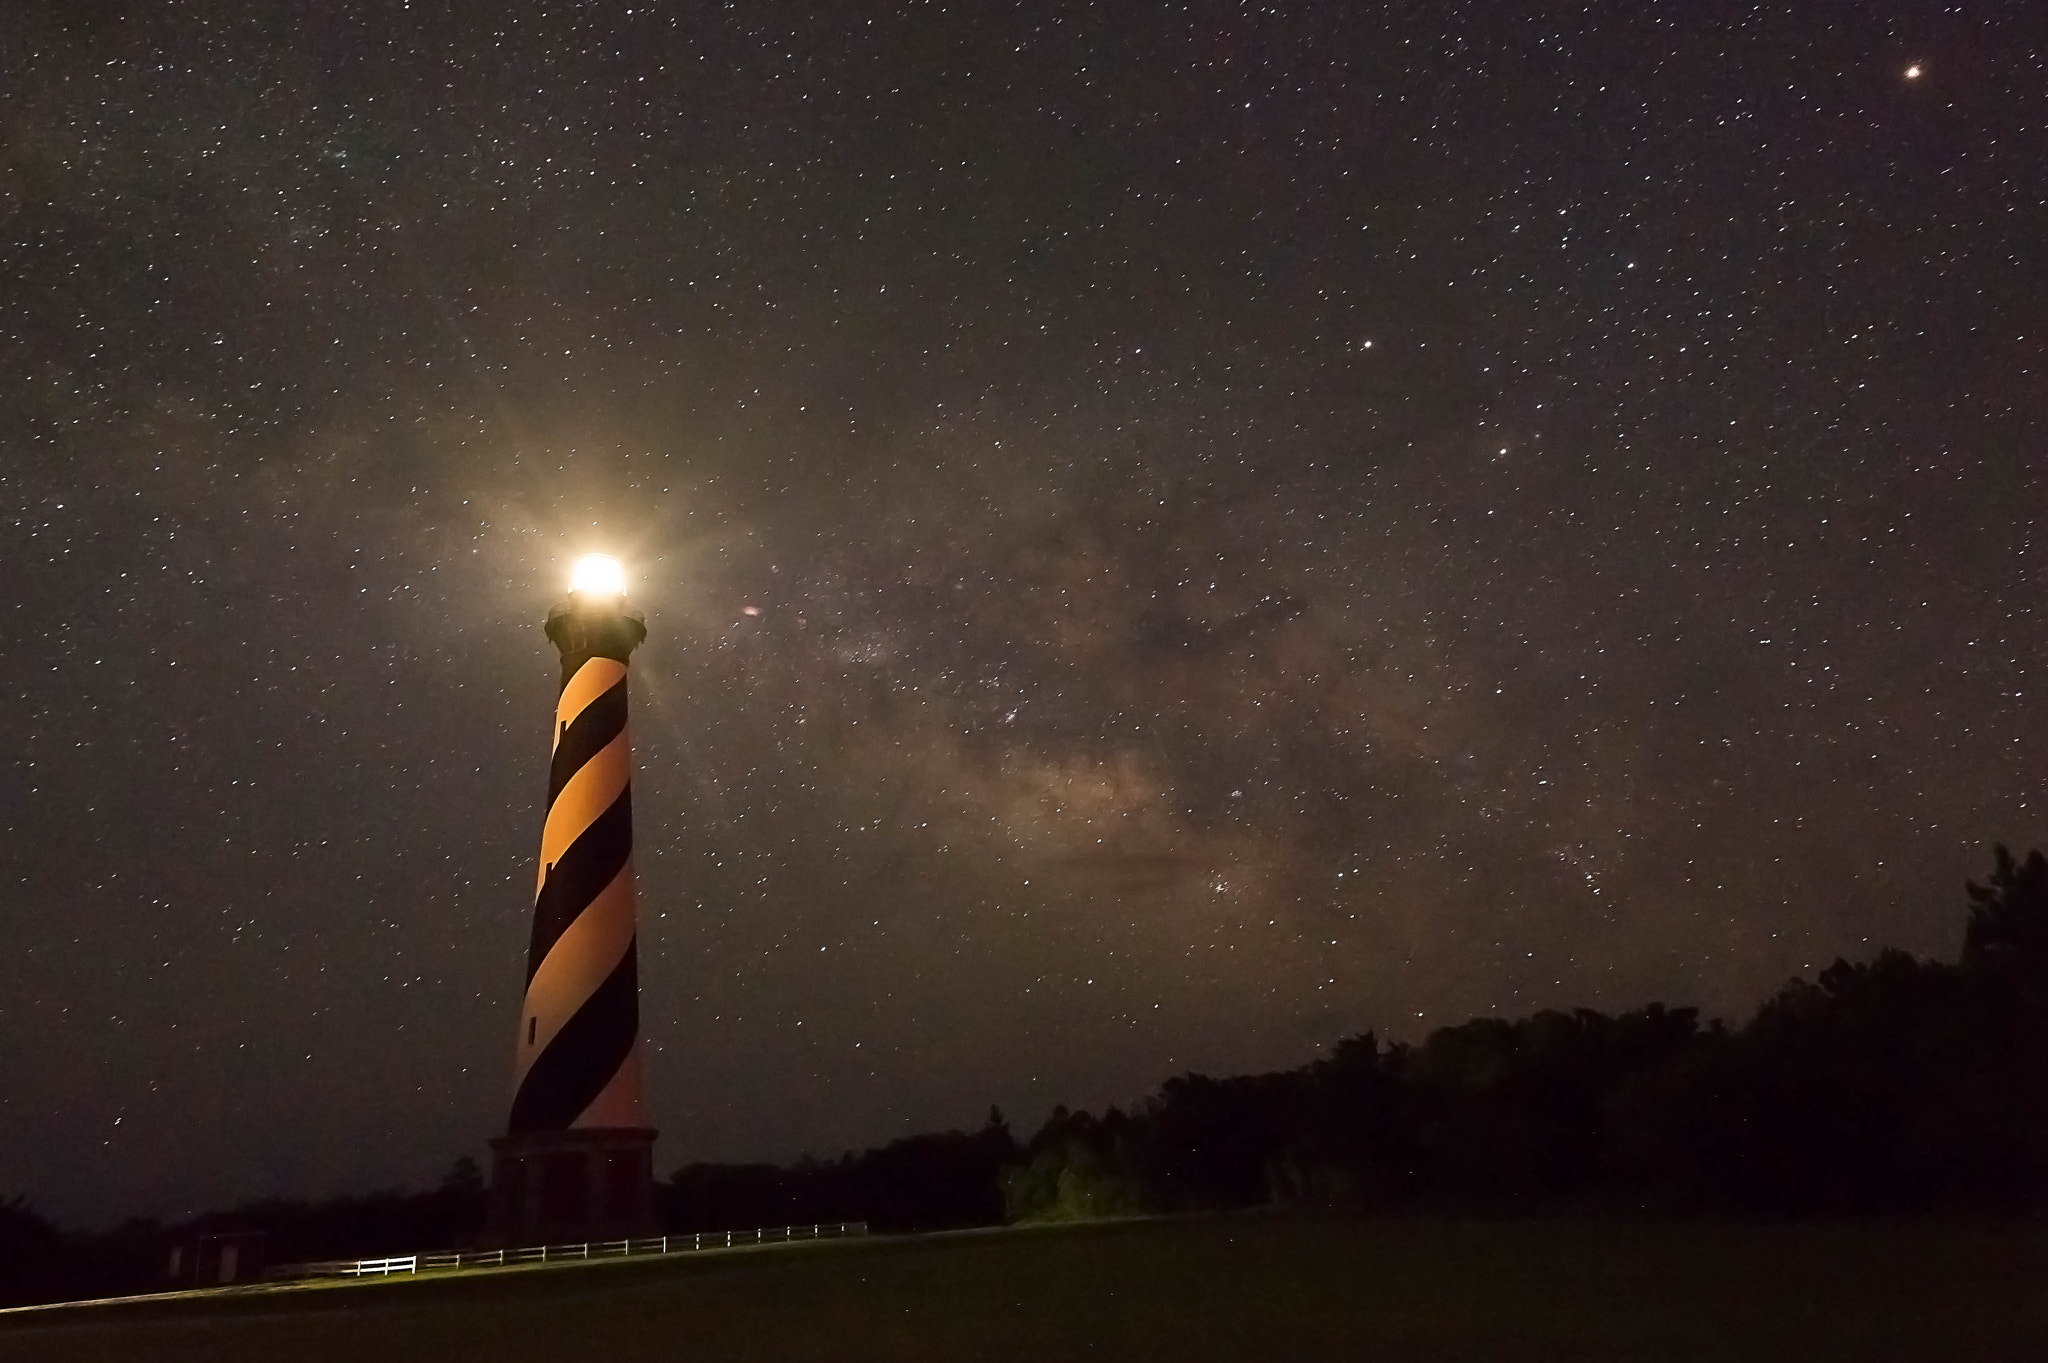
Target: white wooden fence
x=589, y=1249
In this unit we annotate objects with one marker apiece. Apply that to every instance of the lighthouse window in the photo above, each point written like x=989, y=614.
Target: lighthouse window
x=531, y=1023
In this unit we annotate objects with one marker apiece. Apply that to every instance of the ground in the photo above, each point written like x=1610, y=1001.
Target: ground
x=1243, y=1287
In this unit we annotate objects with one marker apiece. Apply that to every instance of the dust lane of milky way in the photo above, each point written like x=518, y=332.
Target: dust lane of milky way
x=1169, y=537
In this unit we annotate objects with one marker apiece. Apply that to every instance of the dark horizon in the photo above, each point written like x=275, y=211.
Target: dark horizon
x=1880, y=1093
x=1168, y=540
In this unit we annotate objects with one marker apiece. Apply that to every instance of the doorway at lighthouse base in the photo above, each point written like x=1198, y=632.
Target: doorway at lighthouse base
x=589, y=1183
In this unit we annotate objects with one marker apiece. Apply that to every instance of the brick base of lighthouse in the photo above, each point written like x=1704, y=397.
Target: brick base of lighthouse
x=588, y=1183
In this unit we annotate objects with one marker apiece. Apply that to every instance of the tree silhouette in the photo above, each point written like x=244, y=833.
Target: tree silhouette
x=2008, y=924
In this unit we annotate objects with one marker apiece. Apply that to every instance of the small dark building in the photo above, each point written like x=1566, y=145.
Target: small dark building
x=217, y=1258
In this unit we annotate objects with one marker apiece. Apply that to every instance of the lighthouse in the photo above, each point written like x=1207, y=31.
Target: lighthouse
x=576, y=1160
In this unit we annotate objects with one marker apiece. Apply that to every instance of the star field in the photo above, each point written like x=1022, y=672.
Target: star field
x=1170, y=535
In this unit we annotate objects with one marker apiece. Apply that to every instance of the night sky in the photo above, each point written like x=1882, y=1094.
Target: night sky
x=1170, y=535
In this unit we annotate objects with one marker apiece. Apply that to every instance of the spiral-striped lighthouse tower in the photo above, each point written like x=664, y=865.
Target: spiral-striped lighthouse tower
x=576, y=1161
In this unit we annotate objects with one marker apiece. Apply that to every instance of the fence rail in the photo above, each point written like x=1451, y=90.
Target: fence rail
x=588, y=1249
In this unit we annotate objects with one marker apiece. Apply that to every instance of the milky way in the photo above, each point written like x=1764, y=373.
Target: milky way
x=1170, y=536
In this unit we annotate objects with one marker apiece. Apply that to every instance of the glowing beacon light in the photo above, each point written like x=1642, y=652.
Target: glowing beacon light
x=597, y=575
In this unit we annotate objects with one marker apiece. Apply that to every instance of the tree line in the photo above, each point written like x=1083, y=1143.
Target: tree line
x=1892, y=1086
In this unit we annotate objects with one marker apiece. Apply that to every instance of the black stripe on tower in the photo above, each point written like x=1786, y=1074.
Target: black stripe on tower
x=583, y=1056
x=587, y=735
x=591, y=863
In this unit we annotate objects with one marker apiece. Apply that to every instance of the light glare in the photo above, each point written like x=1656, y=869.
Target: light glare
x=597, y=575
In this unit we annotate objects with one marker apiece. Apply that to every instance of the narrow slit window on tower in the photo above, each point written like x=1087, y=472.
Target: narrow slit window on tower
x=531, y=1024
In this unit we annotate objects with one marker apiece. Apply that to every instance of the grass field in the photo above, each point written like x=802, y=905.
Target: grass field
x=1248, y=1287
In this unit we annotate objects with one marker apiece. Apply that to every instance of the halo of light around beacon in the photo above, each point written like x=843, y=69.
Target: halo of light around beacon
x=597, y=575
